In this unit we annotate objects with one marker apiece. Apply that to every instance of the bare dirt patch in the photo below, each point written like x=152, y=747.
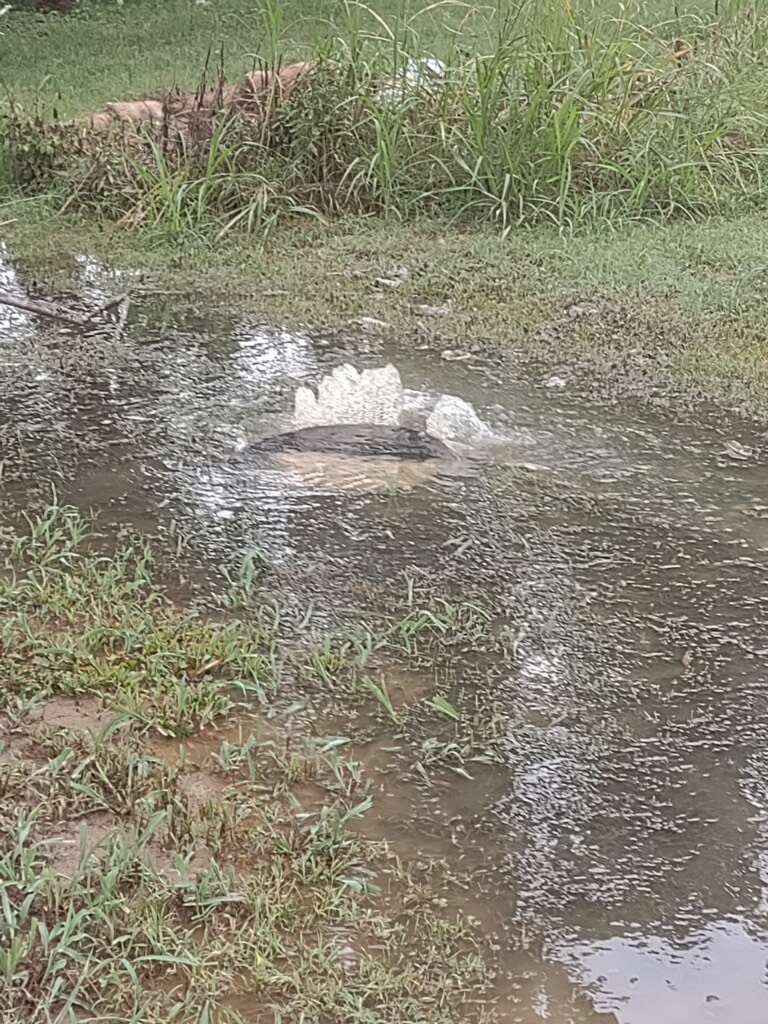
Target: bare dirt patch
x=72, y=842
x=78, y=714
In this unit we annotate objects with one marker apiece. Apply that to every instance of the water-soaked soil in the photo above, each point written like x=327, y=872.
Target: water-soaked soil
x=615, y=846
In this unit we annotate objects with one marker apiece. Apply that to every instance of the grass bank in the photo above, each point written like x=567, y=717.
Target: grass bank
x=106, y=50
x=579, y=115
x=166, y=852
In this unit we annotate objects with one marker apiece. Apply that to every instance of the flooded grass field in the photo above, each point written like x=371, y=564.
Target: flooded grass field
x=533, y=685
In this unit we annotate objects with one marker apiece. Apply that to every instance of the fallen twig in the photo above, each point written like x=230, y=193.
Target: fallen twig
x=121, y=303
x=112, y=304
x=41, y=309
x=125, y=305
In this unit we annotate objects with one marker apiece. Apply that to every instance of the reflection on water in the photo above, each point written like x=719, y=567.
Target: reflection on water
x=717, y=974
x=624, y=840
x=324, y=470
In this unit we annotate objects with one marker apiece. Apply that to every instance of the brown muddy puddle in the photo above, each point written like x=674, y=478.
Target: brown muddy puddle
x=206, y=768
x=616, y=849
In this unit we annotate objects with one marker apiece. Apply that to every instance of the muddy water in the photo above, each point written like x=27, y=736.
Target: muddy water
x=617, y=852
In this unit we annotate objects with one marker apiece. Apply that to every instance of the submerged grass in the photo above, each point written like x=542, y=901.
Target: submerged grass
x=135, y=888
x=573, y=115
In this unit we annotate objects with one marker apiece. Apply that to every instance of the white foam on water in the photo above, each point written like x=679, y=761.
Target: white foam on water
x=377, y=396
x=348, y=396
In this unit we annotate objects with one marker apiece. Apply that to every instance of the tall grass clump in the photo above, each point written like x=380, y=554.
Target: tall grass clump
x=572, y=115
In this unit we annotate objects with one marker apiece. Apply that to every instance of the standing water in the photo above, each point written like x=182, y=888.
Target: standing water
x=615, y=847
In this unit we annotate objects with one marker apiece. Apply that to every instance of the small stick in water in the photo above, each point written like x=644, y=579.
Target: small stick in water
x=112, y=304
x=41, y=309
x=125, y=305
x=121, y=303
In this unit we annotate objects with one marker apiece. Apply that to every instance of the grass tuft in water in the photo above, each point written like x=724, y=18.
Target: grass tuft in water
x=78, y=622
